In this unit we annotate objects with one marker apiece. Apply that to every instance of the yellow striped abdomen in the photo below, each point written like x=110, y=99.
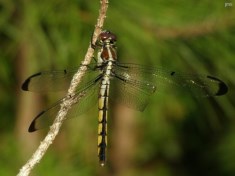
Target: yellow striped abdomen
x=102, y=120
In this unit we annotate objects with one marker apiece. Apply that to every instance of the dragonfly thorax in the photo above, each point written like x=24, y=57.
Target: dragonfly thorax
x=107, y=47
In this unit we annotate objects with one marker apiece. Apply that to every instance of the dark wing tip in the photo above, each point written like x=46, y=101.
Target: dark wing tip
x=25, y=85
x=223, y=88
x=32, y=126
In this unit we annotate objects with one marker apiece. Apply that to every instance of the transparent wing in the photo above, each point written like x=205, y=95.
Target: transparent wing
x=136, y=83
x=83, y=99
x=56, y=80
x=132, y=91
x=129, y=94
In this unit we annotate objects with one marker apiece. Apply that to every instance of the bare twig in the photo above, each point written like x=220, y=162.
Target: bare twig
x=65, y=106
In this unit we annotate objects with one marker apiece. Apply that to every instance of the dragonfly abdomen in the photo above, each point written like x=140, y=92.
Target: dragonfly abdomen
x=102, y=119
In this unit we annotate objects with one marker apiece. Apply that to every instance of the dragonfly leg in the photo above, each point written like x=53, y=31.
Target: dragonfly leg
x=93, y=45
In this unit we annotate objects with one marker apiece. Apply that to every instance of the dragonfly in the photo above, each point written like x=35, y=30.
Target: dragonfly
x=133, y=85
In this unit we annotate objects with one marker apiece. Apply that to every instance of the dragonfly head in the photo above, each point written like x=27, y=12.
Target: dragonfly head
x=106, y=38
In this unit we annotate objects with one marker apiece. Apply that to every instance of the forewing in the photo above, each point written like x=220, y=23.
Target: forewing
x=198, y=85
x=56, y=80
x=135, y=83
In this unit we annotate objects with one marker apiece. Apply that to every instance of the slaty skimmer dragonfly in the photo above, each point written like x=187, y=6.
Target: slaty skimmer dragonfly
x=134, y=83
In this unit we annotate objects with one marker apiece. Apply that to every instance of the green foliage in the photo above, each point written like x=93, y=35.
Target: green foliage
x=177, y=134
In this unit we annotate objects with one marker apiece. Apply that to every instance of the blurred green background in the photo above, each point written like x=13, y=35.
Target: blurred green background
x=177, y=134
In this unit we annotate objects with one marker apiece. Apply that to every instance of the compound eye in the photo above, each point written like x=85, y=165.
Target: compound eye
x=113, y=38
x=107, y=35
x=112, y=41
